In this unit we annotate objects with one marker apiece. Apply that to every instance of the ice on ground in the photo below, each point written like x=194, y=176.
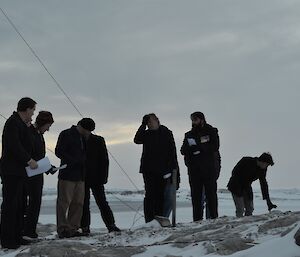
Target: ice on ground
x=269, y=234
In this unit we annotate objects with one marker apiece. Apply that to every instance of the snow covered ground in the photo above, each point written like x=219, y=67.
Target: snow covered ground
x=264, y=234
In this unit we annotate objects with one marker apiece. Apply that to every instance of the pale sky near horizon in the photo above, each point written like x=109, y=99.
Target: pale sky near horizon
x=236, y=61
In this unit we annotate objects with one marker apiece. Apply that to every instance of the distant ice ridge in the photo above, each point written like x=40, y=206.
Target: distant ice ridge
x=183, y=195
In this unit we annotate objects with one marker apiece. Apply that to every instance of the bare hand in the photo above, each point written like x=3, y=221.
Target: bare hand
x=33, y=164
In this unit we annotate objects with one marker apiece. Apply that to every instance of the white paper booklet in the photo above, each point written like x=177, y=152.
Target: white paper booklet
x=43, y=166
x=191, y=141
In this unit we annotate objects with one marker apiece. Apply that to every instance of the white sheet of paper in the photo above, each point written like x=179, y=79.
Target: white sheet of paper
x=191, y=141
x=43, y=166
x=60, y=168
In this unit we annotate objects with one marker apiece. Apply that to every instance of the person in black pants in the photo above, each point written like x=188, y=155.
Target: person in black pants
x=34, y=185
x=16, y=155
x=158, y=161
x=201, y=155
x=97, y=164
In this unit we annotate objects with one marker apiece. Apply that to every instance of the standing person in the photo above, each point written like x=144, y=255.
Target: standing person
x=34, y=185
x=158, y=161
x=247, y=170
x=16, y=155
x=71, y=149
x=200, y=149
x=97, y=164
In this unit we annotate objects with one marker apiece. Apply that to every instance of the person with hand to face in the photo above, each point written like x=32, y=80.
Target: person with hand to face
x=158, y=161
x=17, y=153
x=247, y=170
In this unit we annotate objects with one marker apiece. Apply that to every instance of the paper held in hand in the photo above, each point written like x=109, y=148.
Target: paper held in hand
x=43, y=166
x=191, y=141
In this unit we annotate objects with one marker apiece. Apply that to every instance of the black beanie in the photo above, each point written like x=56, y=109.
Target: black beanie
x=266, y=157
x=87, y=123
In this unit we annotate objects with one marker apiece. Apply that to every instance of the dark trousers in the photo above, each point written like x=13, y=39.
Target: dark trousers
x=12, y=210
x=210, y=187
x=100, y=198
x=34, y=192
x=154, y=195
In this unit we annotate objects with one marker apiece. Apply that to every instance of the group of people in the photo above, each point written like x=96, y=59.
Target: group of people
x=86, y=162
x=200, y=149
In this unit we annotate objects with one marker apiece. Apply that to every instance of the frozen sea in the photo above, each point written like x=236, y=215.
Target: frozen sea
x=128, y=205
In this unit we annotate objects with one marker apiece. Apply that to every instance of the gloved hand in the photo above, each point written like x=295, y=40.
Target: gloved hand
x=51, y=170
x=145, y=119
x=271, y=206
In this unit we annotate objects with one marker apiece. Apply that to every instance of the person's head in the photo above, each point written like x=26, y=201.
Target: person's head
x=153, y=121
x=43, y=121
x=85, y=126
x=265, y=160
x=198, y=119
x=26, y=108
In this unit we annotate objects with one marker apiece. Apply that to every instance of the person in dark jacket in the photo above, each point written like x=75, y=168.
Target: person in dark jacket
x=247, y=170
x=34, y=185
x=71, y=149
x=97, y=164
x=158, y=161
x=16, y=155
x=201, y=154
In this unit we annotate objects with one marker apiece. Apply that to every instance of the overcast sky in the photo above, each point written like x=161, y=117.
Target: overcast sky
x=236, y=61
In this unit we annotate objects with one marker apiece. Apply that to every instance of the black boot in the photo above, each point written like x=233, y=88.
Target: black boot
x=113, y=228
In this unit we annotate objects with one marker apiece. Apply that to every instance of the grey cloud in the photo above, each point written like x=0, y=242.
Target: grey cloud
x=236, y=61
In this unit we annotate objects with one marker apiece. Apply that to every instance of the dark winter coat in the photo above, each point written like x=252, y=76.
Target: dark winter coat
x=16, y=147
x=97, y=161
x=203, y=158
x=159, y=150
x=71, y=149
x=244, y=173
x=39, y=147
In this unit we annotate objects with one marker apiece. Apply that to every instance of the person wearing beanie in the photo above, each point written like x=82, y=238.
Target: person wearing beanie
x=16, y=155
x=200, y=149
x=247, y=170
x=34, y=185
x=71, y=149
